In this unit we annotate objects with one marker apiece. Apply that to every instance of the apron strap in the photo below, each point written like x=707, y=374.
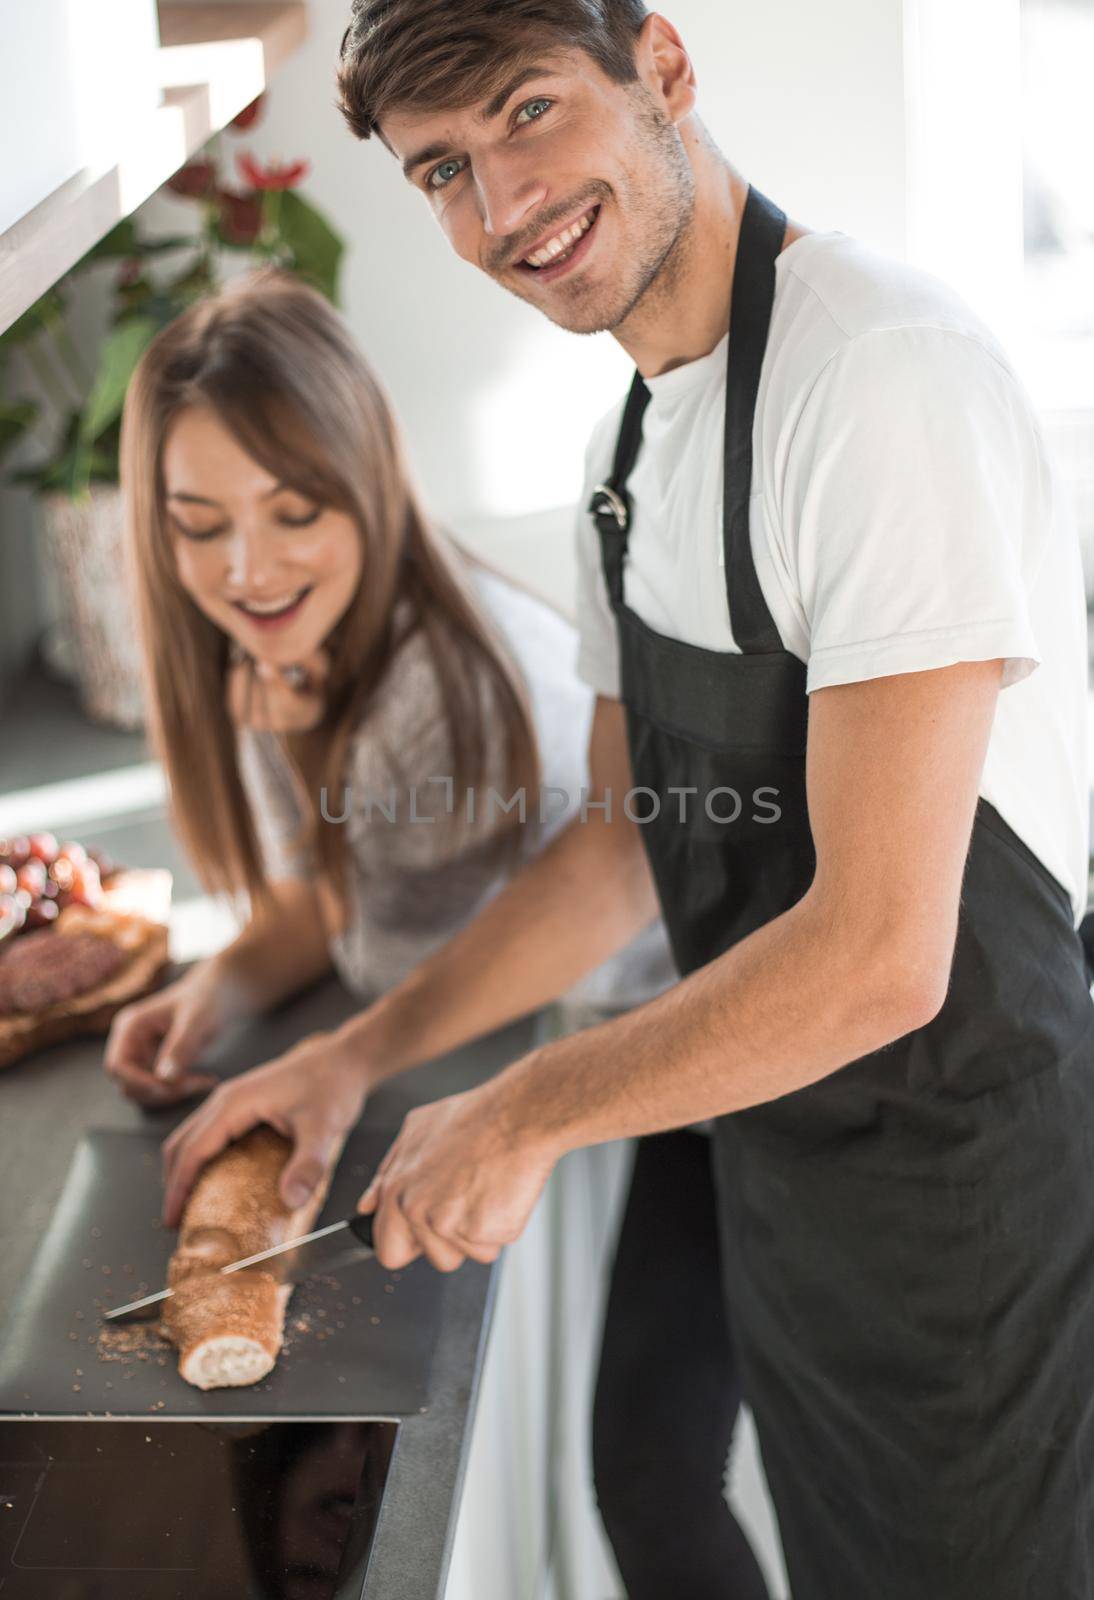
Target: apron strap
x=610, y=506
x=763, y=227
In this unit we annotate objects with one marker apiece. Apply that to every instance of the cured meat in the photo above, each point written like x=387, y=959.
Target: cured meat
x=43, y=969
x=72, y=976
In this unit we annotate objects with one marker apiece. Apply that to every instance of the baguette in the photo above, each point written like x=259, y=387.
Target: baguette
x=228, y=1330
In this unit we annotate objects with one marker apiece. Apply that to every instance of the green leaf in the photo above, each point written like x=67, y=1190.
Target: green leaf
x=122, y=349
x=124, y=243
x=15, y=418
x=120, y=242
x=44, y=312
x=170, y=241
x=69, y=473
x=315, y=248
x=179, y=292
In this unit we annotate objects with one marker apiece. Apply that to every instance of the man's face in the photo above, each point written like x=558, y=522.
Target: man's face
x=570, y=190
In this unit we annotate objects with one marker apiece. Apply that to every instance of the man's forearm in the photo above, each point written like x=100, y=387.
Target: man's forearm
x=572, y=908
x=788, y=1005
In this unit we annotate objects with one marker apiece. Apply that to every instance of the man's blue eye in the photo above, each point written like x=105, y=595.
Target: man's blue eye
x=534, y=110
x=444, y=173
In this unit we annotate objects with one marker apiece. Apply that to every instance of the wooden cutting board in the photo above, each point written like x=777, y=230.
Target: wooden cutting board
x=358, y=1344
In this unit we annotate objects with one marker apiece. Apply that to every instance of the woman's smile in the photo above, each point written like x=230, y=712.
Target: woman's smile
x=277, y=613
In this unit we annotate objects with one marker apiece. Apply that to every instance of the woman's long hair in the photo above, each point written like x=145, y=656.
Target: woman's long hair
x=281, y=371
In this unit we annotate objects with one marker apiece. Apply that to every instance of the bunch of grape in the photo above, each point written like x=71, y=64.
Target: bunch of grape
x=39, y=877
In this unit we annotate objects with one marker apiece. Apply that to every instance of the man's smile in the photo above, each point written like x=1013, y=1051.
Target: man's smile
x=553, y=256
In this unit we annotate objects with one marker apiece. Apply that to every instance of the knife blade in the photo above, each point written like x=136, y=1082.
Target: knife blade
x=339, y=1244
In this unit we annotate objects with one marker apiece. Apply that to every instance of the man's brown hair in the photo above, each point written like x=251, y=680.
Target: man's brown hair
x=451, y=53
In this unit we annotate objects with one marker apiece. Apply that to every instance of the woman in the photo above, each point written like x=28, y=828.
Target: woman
x=344, y=710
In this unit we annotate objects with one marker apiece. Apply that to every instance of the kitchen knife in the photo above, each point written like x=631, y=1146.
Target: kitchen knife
x=339, y=1244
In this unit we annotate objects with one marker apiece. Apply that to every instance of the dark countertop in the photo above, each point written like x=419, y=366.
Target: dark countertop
x=49, y=1101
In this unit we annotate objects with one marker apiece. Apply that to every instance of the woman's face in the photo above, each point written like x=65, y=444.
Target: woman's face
x=269, y=566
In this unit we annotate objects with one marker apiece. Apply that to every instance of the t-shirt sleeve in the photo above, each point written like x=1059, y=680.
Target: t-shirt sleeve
x=912, y=506
x=598, y=642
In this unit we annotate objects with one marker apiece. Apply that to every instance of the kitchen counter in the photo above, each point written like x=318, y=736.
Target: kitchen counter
x=49, y=1101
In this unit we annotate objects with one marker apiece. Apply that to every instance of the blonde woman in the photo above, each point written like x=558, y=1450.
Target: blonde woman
x=344, y=708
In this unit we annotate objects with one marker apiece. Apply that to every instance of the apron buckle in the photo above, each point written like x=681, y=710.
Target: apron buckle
x=606, y=502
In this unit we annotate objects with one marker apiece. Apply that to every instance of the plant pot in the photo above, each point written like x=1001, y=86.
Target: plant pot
x=83, y=546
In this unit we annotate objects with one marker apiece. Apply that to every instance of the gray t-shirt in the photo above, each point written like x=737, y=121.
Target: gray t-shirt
x=417, y=873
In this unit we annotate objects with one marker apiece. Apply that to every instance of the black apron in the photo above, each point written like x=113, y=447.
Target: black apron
x=908, y=1245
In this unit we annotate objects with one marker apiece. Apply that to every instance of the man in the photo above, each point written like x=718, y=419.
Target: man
x=837, y=633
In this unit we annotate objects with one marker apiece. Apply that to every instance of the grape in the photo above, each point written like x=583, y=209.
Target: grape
x=15, y=851
x=73, y=852
x=23, y=897
x=8, y=881
x=32, y=875
x=43, y=847
x=62, y=872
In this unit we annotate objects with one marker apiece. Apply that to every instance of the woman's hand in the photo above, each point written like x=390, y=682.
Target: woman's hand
x=153, y=1043
x=314, y=1095
x=277, y=699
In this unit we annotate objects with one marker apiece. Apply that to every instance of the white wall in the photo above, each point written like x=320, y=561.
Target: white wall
x=965, y=157
x=808, y=101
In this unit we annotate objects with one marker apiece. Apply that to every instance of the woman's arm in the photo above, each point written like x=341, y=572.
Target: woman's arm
x=283, y=948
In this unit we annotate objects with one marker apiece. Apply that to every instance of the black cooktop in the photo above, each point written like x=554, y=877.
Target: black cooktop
x=96, y=1510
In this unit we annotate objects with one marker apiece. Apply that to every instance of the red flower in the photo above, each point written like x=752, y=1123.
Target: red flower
x=193, y=181
x=249, y=115
x=240, y=216
x=273, y=176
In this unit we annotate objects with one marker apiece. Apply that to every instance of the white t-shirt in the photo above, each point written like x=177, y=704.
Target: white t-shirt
x=904, y=516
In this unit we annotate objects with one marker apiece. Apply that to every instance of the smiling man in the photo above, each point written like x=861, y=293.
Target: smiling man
x=835, y=622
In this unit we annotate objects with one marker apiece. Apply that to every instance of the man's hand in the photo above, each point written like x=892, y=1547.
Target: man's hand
x=314, y=1095
x=458, y=1183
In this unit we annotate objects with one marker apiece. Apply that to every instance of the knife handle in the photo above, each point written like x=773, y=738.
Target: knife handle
x=361, y=1227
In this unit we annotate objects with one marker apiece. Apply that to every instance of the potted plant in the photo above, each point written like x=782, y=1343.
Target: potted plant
x=154, y=279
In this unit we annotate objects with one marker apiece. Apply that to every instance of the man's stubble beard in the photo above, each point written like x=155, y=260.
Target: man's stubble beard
x=663, y=215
